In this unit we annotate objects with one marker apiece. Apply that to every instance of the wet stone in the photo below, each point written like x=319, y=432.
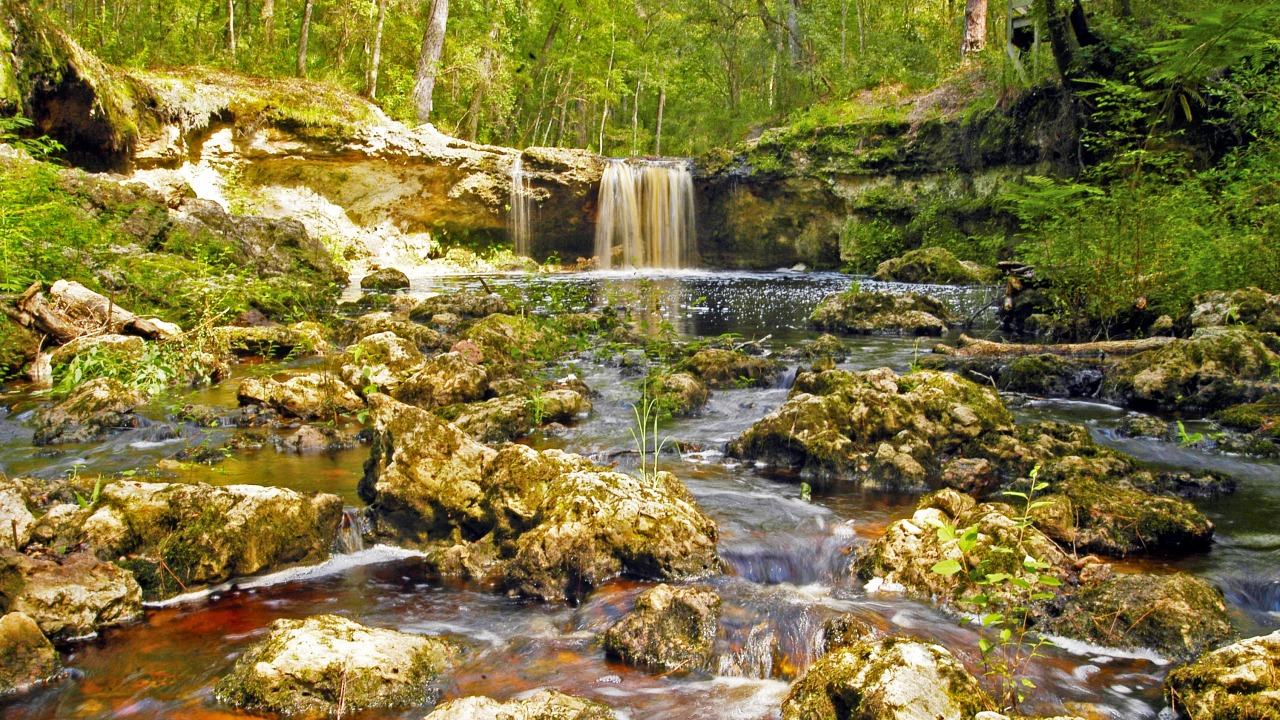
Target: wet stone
x=669, y=629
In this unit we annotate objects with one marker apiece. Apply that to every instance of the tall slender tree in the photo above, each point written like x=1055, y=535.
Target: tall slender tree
x=371, y=80
x=304, y=37
x=975, y=27
x=424, y=76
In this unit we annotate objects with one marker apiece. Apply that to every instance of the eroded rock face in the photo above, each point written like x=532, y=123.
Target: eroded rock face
x=379, y=322
x=543, y=705
x=91, y=411
x=1234, y=682
x=26, y=655
x=15, y=519
x=1251, y=307
x=1216, y=368
x=891, y=679
x=204, y=534
x=443, y=380
x=310, y=397
x=68, y=596
x=670, y=628
x=564, y=525
x=874, y=426
x=933, y=265
x=512, y=416
x=315, y=666
x=859, y=312
x=383, y=360
x=720, y=368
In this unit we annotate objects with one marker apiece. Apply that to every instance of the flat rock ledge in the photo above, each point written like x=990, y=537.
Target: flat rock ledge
x=543, y=705
x=325, y=664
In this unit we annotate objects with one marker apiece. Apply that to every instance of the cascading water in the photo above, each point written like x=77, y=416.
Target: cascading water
x=351, y=530
x=646, y=216
x=521, y=209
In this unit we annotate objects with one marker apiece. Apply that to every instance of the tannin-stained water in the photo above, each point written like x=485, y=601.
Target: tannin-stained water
x=787, y=558
x=645, y=216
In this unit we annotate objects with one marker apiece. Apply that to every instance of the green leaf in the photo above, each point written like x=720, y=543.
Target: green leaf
x=947, y=567
x=1050, y=580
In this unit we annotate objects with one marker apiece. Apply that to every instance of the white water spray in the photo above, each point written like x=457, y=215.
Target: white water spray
x=646, y=215
x=521, y=209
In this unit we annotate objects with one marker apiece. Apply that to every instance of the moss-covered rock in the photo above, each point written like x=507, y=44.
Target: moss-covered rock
x=315, y=396
x=18, y=347
x=1177, y=615
x=855, y=311
x=874, y=426
x=26, y=655
x=668, y=629
x=1216, y=368
x=1250, y=308
x=326, y=664
x=1238, y=682
x=68, y=596
x=380, y=361
x=563, y=525
x=1260, y=423
x=464, y=304
x=934, y=265
x=114, y=349
x=891, y=679
x=176, y=537
x=380, y=322
x=679, y=394
x=385, y=280
x=720, y=368
x=274, y=341
x=542, y=705
x=89, y=412
x=1043, y=375
x=512, y=416
x=446, y=379
x=507, y=341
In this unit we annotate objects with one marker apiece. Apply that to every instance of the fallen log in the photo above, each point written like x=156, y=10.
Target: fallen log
x=72, y=310
x=969, y=347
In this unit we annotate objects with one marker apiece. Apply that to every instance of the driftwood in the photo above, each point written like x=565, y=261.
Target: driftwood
x=72, y=310
x=974, y=348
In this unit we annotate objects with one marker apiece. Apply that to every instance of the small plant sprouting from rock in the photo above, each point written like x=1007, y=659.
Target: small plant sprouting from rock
x=645, y=433
x=1005, y=603
x=1187, y=439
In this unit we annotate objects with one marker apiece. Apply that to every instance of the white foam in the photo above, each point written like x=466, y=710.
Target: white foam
x=878, y=585
x=1102, y=654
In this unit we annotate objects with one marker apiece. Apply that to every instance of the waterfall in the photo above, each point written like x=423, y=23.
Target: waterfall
x=521, y=209
x=646, y=215
x=351, y=531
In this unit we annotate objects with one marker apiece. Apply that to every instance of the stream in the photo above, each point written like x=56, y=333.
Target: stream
x=787, y=558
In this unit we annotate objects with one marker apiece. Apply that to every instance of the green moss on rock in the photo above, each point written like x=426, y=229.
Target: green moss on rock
x=26, y=655
x=1237, y=682
x=856, y=311
x=933, y=265
x=720, y=368
x=670, y=628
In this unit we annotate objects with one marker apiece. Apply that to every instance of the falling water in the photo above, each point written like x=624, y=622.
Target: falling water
x=521, y=208
x=646, y=215
x=351, y=530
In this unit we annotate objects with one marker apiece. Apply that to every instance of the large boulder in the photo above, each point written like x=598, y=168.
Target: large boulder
x=384, y=280
x=177, y=536
x=874, y=426
x=26, y=655
x=68, y=596
x=379, y=322
x=315, y=396
x=1215, y=368
x=506, y=341
x=542, y=705
x=381, y=361
x=326, y=664
x=1238, y=682
x=891, y=679
x=866, y=313
x=669, y=629
x=464, y=304
x=512, y=416
x=273, y=341
x=446, y=379
x=115, y=349
x=680, y=394
x=1250, y=308
x=720, y=368
x=933, y=265
x=564, y=524
x=89, y=412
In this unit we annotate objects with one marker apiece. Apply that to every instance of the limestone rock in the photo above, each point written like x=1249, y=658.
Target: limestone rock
x=508, y=340
x=464, y=304
x=380, y=322
x=891, y=679
x=323, y=663
x=310, y=397
x=669, y=629
x=855, y=311
x=116, y=348
x=15, y=519
x=276, y=341
x=443, y=380
x=933, y=265
x=1236, y=681
x=680, y=394
x=383, y=360
x=542, y=705
x=720, y=368
x=1252, y=308
x=68, y=596
x=385, y=280
x=91, y=411
x=26, y=655
x=1216, y=368
x=512, y=416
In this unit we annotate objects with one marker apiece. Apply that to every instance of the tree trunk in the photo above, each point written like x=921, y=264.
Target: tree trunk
x=371, y=83
x=975, y=27
x=662, y=102
x=231, y=28
x=975, y=348
x=1059, y=37
x=269, y=21
x=304, y=37
x=484, y=79
x=424, y=77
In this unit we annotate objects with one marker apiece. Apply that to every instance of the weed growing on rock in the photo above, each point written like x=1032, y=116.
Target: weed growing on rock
x=645, y=433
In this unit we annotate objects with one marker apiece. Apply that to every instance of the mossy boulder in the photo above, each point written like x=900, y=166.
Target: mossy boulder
x=176, y=536
x=18, y=347
x=1260, y=424
x=1215, y=368
x=26, y=655
x=89, y=412
x=1177, y=615
x=867, y=313
x=669, y=629
x=678, y=393
x=327, y=664
x=383, y=360
x=542, y=705
x=562, y=524
x=891, y=679
x=274, y=341
x=873, y=426
x=933, y=265
x=1238, y=682
x=384, y=280
x=464, y=304
x=446, y=379
x=512, y=416
x=315, y=396
x=1042, y=375
x=1250, y=308
x=68, y=596
x=114, y=349
x=422, y=336
x=507, y=341
x=720, y=368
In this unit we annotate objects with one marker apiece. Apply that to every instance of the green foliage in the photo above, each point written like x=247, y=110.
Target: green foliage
x=40, y=147
x=1186, y=439
x=645, y=435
